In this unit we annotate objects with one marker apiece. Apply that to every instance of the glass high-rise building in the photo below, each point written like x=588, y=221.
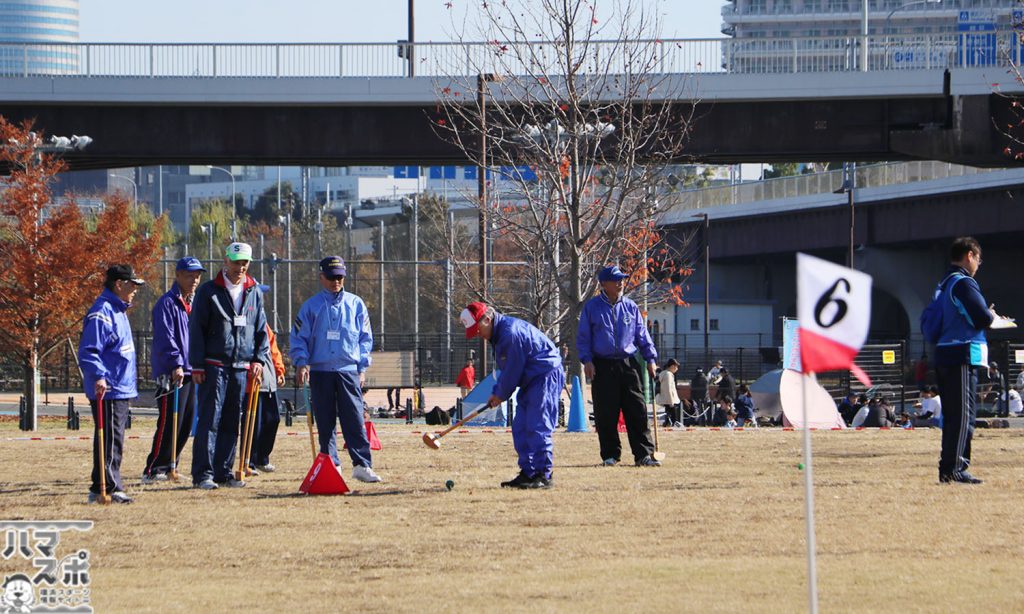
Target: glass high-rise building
x=47, y=26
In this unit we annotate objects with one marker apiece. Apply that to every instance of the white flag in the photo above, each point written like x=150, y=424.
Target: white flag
x=834, y=311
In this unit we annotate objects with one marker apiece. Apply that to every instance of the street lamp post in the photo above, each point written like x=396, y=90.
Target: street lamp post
x=706, y=232
x=482, y=80
x=135, y=189
x=231, y=199
x=208, y=229
x=849, y=185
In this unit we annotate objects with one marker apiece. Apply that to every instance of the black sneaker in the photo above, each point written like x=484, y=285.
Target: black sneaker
x=539, y=481
x=648, y=461
x=961, y=477
x=520, y=481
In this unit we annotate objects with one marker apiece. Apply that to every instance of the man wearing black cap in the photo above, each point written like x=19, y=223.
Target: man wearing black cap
x=171, y=369
x=610, y=331
x=330, y=347
x=106, y=355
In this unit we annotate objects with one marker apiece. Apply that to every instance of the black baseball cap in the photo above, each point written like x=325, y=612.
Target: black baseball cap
x=124, y=272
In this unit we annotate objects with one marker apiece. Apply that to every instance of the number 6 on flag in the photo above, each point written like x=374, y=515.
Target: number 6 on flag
x=834, y=311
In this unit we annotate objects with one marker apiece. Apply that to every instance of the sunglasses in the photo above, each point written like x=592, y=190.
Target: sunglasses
x=334, y=277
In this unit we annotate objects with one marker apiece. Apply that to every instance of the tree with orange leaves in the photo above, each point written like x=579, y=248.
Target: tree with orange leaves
x=54, y=257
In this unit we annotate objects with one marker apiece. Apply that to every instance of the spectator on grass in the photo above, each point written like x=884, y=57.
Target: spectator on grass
x=848, y=407
x=730, y=418
x=699, y=390
x=667, y=396
x=1014, y=405
x=721, y=416
x=106, y=355
x=726, y=385
x=930, y=407
x=862, y=412
x=745, y=407
x=880, y=414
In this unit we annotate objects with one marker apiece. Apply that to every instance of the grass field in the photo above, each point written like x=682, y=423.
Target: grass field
x=719, y=528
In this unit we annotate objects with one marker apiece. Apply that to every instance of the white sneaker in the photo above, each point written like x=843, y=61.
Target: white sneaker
x=365, y=474
x=233, y=483
x=206, y=485
x=268, y=468
x=153, y=479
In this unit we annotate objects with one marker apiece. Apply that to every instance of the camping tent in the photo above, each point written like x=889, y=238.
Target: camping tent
x=782, y=392
x=477, y=397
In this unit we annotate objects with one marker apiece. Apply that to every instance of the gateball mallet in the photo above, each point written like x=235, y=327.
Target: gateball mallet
x=174, y=438
x=104, y=496
x=433, y=440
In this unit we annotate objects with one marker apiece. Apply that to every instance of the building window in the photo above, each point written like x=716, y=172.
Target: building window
x=714, y=323
x=694, y=324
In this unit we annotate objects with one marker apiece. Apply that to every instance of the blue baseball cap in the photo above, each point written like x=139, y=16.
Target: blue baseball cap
x=333, y=266
x=611, y=273
x=189, y=263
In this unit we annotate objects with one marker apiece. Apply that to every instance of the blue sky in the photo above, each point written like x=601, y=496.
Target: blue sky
x=256, y=21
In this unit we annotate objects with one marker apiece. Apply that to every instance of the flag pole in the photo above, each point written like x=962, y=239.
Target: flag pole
x=812, y=574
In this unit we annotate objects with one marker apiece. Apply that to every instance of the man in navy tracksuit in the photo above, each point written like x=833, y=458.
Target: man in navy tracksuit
x=330, y=347
x=106, y=354
x=611, y=329
x=961, y=350
x=227, y=341
x=528, y=360
x=171, y=369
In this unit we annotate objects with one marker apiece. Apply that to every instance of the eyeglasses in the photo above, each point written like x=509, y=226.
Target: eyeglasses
x=978, y=256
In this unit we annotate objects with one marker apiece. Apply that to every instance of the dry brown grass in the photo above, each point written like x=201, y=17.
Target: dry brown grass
x=719, y=528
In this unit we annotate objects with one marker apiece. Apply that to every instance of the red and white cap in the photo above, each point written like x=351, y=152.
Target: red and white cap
x=470, y=317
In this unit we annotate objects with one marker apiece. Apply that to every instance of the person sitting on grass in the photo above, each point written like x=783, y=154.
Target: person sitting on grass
x=730, y=418
x=745, y=407
x=721, y=416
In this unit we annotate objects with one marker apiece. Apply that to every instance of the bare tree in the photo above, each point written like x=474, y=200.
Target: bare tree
x=1012, y=126
x=578, y=116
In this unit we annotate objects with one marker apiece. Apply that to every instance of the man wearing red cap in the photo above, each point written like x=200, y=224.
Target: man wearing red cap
x=528, y=360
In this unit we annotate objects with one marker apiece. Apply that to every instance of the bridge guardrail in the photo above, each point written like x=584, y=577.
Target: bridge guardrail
x=433, y=59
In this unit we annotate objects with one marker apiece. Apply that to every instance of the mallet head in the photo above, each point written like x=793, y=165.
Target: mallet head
x=432, y=440
x=658, y=456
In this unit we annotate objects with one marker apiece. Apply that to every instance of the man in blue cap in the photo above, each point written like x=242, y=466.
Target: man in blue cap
x=227, y=344
x=171, y=369
x=330, y=347
x=610, y=331
x=527, y=360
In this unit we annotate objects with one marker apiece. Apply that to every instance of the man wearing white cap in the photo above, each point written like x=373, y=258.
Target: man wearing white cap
x=227, y=341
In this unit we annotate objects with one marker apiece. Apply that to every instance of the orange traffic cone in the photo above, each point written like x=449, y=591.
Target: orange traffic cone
x=622, y=422
x=371, y=434
x=323, y=478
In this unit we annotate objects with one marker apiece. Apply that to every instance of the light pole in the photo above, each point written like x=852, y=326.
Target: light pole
x=903, y=6
x=482, y=80
x=135, y=189
x=231, y=199
x=208, y=229
x=409, y=50
x=849, y=185
x=706, y=232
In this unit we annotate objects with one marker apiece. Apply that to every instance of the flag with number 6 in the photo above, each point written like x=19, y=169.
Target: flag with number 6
x=834, y=311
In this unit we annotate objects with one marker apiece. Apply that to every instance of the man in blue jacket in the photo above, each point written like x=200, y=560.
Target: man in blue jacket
x=330, y=347
x=611, y=329
x=960, y=352
x=171, y=369
x=227, y=336
x=106, y=354
x=526, y=359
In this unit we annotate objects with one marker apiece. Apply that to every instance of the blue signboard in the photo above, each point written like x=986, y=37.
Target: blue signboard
x=407, y=172
x=976, y=38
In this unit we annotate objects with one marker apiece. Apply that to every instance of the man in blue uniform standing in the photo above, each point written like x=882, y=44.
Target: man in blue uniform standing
x=227, y=342
x=171, y=369
x=106, y=354
x=960, y=352
x=330, y=347
x=528, y=360
x=610, y=331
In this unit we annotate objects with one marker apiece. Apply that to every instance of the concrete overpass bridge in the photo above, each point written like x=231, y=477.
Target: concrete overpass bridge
x=906, y=214
x=329, y=104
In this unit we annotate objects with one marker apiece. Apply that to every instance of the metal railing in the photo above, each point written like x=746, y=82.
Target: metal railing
x=329, y=60
x=870, y=176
